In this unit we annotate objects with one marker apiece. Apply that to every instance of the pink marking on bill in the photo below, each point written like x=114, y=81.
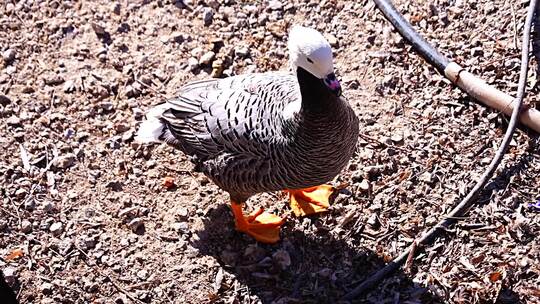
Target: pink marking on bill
x=334, y=85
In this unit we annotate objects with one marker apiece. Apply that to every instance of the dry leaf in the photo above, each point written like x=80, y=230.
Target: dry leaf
x=495, y=276
x=15, y=254
x=168, y=182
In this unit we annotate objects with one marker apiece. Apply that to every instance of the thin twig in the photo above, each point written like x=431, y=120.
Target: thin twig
x=464, y=205
x=410, y=258
x=514, y=25
x=116, y=285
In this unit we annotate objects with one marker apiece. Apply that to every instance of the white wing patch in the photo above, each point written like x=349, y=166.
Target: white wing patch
x=292, y=109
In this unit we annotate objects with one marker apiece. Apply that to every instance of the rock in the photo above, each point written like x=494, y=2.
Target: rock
x=89, y=242
x=160, y=75
x=56, y=228
x=207, y=16
x=426, y=177
x=177, y=37
x=121, y=127
x=275, y=5
x=69, y=86
x=28, y=89
x=207, y=58
x=332, y=40
x=217, y=68
x=10, y=275
x=477, y=52
x=21, y=192
x=197, y=52
x=351, y=82
x=136, y=224
x=254, y=253
x=46, y=288
x=127, y=212
x=116, y=8
x=98, y=28
x=106, y=106
x=193, y=64
x=142, y=274
x=115, y=185
x=241, y=51
x=397, y=138
x=47, y=206
x=128, y=136
x=65, y=161
x=9, y=55
x=364, y=185
x=181, y=227
x=90, y=286
x=373, y=221
x=26, y=226
x=146, y=79
x=54, y=79
x=138, y=114
x=4, y=100
x=282, y=259
x=132, y=91
x=29, y=205
x=13, y=121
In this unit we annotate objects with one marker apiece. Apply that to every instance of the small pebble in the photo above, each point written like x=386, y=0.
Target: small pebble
x=207, y=58
x=10, y=274
x=426, y=177
x=9, y=55
x=142, y=274
x=282, y=259
x=21, y=192
x=241, y=51
x=29, y=205
x=65, y=161
x=69, y=86
x=332, y=40
x=181, y=227
x=136, y=223
x=373, y=221
x=364, y=185
x=207, y=16
x=4, y=100
x=56, y=228
x=46, y=288
x=13, y=121
x=26, y=226
x=193, y=64
x=397, y=138
x=275, y=5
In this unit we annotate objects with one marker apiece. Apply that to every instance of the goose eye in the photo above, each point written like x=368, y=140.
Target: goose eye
x=309, y=60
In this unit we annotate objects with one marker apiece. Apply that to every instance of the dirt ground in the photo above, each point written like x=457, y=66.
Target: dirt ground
x=84, y=217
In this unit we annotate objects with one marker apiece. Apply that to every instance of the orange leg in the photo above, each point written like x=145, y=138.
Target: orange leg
x=310, y=200
x=262, y=226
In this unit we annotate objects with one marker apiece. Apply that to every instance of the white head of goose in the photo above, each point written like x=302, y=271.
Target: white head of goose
x=310, y=51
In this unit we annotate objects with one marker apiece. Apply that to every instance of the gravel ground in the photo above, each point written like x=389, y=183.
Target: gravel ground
x=84, y=214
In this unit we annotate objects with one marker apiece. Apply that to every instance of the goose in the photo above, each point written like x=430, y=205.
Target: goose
x=261, y=132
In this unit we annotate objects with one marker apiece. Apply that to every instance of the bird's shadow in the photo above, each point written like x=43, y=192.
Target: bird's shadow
x=304, y=267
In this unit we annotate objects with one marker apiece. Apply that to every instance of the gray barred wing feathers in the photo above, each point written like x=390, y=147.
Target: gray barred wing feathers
x=236, y=115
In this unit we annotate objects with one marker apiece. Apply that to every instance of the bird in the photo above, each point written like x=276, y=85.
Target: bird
x=288, y=131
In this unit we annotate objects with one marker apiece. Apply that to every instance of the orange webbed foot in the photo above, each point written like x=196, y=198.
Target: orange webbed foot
x=310, y=200
x=262, y=226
